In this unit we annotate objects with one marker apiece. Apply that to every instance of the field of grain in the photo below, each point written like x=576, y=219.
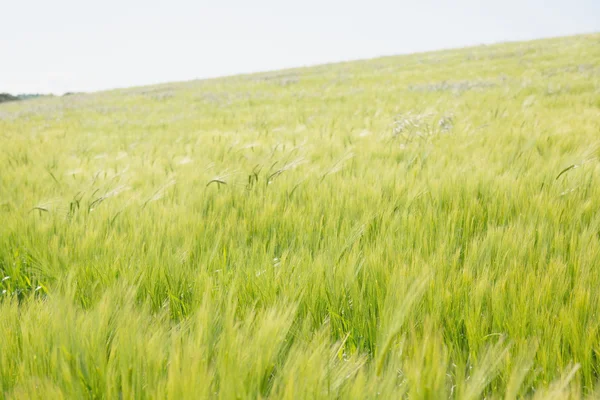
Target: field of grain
x=423, y=226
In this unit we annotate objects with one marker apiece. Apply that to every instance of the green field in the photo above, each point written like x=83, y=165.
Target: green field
x=421, y=226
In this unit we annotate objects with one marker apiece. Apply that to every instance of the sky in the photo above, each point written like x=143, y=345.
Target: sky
x=72, y=45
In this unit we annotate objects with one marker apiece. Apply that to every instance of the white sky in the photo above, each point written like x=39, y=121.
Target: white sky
x=77, y=45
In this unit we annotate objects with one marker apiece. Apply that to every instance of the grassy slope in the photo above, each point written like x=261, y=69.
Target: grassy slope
x=384, y=227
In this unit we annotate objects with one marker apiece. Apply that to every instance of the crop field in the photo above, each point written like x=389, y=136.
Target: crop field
x=423, y=226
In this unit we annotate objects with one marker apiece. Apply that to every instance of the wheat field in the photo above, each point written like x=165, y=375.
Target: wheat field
x=423, y=226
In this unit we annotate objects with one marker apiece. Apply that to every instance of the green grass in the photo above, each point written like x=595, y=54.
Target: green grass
x=423, y=226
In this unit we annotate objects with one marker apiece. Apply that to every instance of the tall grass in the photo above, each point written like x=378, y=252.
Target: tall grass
x=277, y=235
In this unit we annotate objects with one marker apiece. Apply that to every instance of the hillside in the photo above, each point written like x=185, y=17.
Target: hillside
x=424, y=225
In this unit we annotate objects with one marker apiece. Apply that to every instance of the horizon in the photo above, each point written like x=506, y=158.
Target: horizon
x=207, y=78
x=70, y=48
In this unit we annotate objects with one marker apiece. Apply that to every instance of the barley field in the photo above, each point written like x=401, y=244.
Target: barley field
x=423, y=226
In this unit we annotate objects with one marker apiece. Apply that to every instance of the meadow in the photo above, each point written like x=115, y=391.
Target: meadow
x=423, y=226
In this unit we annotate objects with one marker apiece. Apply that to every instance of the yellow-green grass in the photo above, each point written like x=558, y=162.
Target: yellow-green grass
x=424, y=226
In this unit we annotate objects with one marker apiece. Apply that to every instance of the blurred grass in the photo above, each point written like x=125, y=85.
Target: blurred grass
x=420, y=226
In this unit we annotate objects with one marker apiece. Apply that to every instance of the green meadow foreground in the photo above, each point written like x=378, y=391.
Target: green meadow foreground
x=423, y=226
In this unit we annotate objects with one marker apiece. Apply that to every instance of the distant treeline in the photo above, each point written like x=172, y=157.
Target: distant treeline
x=4, y=97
